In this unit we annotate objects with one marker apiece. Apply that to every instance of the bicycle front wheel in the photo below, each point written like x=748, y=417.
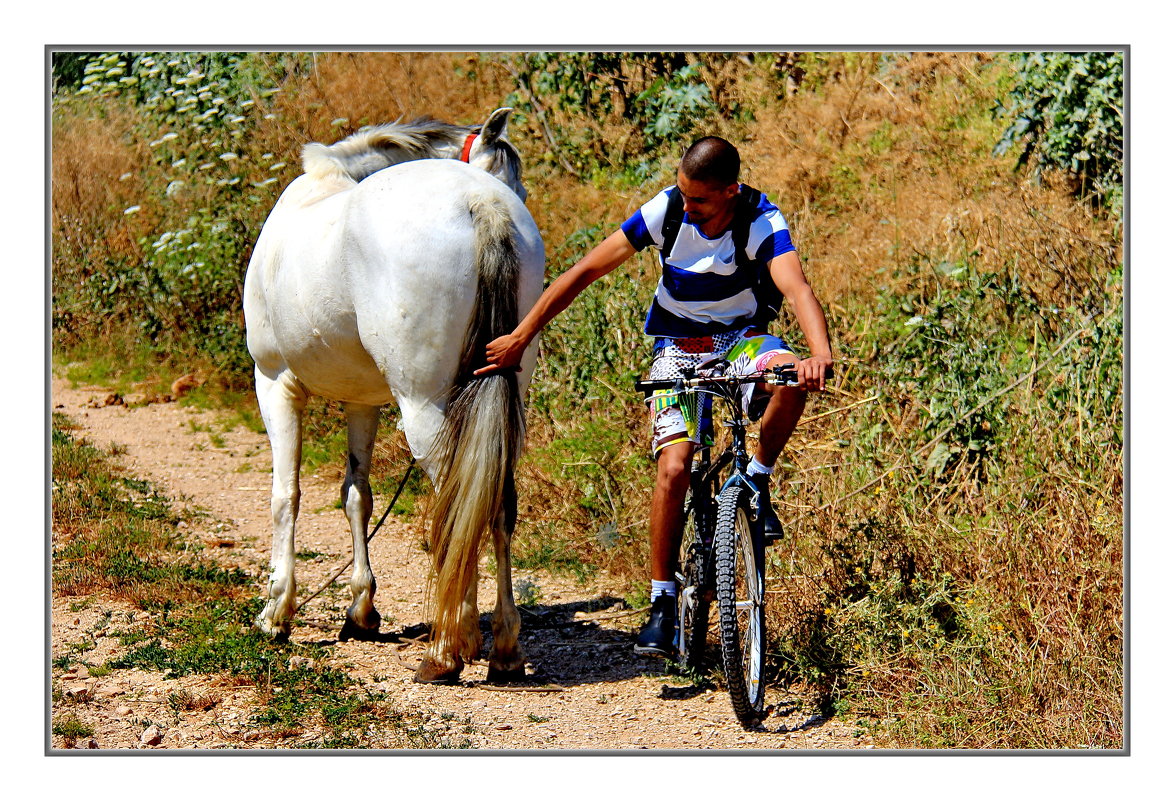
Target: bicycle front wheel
x=738, y=569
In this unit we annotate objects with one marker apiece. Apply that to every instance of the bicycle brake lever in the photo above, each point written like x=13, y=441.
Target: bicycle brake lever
x=784, y=375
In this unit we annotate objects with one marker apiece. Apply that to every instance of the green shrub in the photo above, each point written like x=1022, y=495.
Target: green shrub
x=1067, y=114
x=663, y=98
x=203, y=190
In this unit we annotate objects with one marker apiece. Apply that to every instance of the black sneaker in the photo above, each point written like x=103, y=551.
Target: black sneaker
x=772, y=528
x=659, y=635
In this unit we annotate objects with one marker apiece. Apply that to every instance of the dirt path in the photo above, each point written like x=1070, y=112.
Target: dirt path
x=579, y=638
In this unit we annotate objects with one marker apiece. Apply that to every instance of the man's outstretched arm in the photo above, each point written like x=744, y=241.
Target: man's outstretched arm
x=506, y=351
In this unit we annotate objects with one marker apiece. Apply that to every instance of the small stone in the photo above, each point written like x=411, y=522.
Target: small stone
x=151, y=736
x=78, y=692
x=92, y=743
x=83, y=672
x=123, y=711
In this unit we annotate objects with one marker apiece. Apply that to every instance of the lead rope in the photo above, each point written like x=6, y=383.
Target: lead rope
x=370, y=536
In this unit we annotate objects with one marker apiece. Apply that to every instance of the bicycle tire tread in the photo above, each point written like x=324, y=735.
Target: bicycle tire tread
x=748, y=709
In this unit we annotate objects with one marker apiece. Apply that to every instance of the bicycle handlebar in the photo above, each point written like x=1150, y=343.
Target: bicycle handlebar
x=782, y=376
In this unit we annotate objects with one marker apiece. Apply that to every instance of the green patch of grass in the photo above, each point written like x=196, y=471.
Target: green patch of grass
x=119, y=534
x=219, y=638
x=117, y=365
x=71, y=729
x=555, y=557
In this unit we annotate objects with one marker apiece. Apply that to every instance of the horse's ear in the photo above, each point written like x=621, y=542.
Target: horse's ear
x=495, y=126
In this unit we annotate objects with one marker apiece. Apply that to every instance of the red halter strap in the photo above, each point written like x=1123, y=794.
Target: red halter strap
x=468, y=147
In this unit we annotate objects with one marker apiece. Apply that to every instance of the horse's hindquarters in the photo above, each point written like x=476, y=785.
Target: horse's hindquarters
x=411, y=244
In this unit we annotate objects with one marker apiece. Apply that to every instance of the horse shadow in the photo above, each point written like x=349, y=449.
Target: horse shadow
x=567, y=649
x=562, y=647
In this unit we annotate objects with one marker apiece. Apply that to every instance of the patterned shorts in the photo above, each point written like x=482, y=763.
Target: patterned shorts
x=686, y=418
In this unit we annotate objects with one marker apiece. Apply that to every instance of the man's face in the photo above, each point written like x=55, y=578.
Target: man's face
x=710, y=206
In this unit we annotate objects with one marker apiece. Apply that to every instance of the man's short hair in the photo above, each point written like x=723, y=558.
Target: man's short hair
x=711, y=159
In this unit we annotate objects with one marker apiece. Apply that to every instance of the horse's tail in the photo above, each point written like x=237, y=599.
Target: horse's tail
x=482, y=434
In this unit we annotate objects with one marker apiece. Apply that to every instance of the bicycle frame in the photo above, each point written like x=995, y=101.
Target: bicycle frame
x=724, y=561
x=706, y=482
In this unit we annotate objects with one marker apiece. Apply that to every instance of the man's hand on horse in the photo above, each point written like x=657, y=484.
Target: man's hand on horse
x=504, y=352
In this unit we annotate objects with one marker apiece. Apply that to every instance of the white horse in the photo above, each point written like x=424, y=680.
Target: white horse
x=372, y=284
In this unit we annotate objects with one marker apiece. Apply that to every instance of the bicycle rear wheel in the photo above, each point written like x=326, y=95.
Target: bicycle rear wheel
x=695, y=577
x=738, y=574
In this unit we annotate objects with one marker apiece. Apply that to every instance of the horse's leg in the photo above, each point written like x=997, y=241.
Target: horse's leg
x=282, y=402
x=362, y=621
x=469, y=645
x=506, y=660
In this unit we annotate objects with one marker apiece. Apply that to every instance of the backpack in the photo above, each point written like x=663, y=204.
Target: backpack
x=767, y=295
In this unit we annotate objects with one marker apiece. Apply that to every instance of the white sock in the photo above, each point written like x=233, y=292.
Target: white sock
x=664, y=588
x=756, y=468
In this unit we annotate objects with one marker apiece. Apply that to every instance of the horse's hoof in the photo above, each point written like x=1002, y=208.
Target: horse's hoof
x=501, y=676
x=431, y=672
x=353, y=631
x=278, y=634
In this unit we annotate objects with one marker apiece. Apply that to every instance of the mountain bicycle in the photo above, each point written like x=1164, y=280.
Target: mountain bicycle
x=721, y=556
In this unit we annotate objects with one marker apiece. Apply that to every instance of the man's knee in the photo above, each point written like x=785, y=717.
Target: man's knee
x=673, y=464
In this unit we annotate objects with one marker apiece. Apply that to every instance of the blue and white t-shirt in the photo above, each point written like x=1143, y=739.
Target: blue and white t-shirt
x=701, y=290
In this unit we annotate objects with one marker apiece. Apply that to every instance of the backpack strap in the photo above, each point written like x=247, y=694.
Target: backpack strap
x=674, y=215
x=768, y=296
x=744, y=215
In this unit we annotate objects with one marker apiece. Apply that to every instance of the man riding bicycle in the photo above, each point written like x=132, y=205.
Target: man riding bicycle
x=711, y=302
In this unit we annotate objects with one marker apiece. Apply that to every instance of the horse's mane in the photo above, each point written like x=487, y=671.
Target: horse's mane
x=372, y=148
